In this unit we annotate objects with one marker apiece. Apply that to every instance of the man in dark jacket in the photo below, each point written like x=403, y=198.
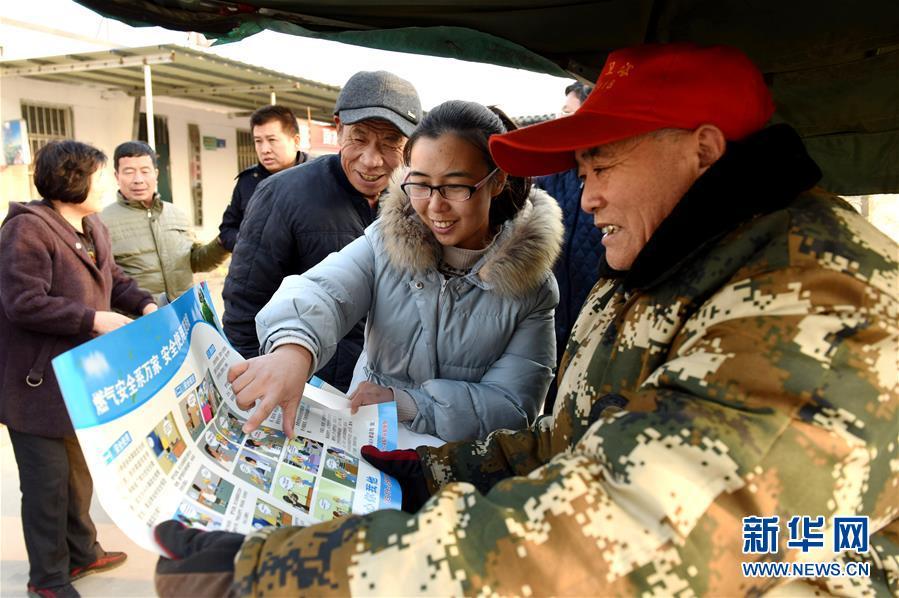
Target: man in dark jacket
x=276, y=138
x=299, y=216
x=577, y=268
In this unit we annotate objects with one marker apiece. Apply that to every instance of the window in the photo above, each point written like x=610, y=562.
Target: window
x=246, y=150
x=45, y=124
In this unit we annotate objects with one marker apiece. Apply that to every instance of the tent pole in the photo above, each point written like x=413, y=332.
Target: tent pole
x=148, y=95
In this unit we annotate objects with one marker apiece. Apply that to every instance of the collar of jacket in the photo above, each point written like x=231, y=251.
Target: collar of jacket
x=517, y=262
x=757, y=175
x=340, y=176
x=155, y=207
x=263, y=173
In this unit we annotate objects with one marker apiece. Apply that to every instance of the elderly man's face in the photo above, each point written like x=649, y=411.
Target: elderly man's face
x=631, y=186
x=137, y=178
x=370, y=151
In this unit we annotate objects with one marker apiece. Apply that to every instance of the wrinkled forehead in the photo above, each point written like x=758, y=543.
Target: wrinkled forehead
x=612, y=151
x=379, y=127
x=609, y=151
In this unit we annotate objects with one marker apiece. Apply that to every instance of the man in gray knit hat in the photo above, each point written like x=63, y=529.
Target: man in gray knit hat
x=298, y=216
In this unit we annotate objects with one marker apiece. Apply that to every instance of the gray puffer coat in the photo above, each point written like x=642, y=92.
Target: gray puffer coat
x=476, y=352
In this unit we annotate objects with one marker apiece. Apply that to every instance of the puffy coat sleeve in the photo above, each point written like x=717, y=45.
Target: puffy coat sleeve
x=510, y=393
x=25, y=281
x=207, y=256
x=777, y=408
x=317, y=309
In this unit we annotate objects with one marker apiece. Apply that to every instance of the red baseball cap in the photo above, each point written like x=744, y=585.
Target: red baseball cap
x=643, y=89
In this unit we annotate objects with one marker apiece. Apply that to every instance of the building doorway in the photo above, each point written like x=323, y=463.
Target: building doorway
x=163, y=152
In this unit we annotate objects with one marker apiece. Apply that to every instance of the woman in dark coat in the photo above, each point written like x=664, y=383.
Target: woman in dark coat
x=58, y=285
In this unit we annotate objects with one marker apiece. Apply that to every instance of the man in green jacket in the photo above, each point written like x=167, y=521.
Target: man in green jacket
x=152, y=240
x=728, y=399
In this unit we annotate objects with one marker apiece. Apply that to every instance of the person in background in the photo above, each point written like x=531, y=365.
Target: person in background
x=455, y=283
x=299, y=216
x=276, y=138
x=577, y=268
x=58, y=286
x=152, y=239
x=734, y=368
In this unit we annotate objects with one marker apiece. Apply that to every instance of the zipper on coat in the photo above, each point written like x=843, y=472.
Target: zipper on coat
x=440, y=295
x=165, y=282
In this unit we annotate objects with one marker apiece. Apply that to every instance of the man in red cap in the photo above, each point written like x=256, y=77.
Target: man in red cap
x=729, y=397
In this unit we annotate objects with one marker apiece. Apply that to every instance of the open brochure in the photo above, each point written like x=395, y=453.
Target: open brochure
x=163, y=438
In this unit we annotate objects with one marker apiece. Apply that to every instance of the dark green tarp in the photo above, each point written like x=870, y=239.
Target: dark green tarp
x=833, y=66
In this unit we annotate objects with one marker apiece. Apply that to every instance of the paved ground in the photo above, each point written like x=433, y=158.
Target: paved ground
x=133, y=579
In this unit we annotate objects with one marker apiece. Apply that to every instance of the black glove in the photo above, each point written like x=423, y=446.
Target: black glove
x=199, y=563
x=405, y=466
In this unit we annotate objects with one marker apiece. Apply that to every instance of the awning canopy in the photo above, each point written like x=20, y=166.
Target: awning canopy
x=182, y=73
x=833, y=65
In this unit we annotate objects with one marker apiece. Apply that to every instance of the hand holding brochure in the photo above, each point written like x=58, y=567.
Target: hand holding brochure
x=163, y=438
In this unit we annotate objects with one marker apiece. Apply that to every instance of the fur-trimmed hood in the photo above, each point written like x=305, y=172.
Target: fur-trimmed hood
x=518, y=261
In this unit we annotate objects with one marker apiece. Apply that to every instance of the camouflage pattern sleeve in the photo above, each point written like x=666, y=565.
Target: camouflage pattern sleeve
x=504, y=453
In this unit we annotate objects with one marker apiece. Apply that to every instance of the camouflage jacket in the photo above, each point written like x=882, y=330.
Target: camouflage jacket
x=745, y=366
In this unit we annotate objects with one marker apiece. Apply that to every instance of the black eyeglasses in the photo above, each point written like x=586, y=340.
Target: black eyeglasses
x=420, y=191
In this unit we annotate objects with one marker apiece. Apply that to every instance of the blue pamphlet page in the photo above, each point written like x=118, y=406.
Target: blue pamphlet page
x=162, y=434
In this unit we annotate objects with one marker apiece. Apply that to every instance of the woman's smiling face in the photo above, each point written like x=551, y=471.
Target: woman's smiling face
x=451, y=160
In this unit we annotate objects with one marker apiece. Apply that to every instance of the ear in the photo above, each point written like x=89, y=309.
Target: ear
x=340, y=129
x=498, y=184
x=710, y=145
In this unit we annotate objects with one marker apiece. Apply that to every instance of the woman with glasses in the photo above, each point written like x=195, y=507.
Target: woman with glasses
x=455, y=279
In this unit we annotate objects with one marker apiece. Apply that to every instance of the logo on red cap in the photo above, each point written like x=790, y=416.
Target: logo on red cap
x=610, y=75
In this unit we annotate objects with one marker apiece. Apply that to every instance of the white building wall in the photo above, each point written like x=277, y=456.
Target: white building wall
x=105, y=119
x=99, y=118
